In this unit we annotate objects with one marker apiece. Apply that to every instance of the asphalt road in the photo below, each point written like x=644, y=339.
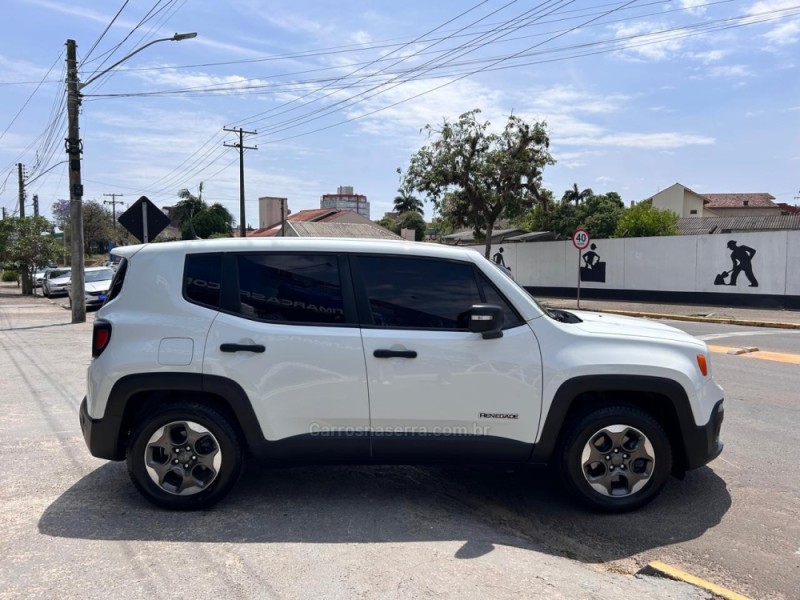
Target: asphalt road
x=73, y=526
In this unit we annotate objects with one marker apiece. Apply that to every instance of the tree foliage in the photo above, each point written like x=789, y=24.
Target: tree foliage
x=475, y=177
x=406, y=202
x=197, y=219
x=643, y=220
x=27, y=243
x=598, y=213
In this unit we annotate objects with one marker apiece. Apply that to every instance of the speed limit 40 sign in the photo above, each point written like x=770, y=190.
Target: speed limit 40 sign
x=581, y=239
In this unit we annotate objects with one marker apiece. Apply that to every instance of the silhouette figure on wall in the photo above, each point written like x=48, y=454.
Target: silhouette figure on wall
x=594, y=269
x=498, y=258
x=742, y=260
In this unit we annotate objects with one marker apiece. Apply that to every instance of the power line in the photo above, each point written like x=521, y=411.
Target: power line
x=102, y=35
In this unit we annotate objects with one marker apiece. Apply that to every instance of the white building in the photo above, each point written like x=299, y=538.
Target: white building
x=345, y=199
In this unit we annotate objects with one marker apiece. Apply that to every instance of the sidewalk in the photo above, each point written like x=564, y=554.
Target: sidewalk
x=754, y=317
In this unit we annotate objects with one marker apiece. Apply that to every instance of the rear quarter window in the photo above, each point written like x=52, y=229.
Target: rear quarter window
x=202, y=279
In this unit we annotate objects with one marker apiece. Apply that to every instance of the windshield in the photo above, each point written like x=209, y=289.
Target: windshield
x=57, y=273
x=104, y=275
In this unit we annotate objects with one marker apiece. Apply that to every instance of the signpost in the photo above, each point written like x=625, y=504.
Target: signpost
x=144, y=220
x=581, y=240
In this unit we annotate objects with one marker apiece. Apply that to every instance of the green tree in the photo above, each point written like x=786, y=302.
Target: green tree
x=98, y=226
x=475, y=177
x=405, y=202
x=412, y=220
x=600, y=214
x=642, y=220
x=197, y=219
x=574, y=196
x=27, y=243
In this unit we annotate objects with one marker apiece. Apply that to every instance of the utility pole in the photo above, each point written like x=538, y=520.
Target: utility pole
x=21, y=175
x=4, y=213
x=74, y=149
x=36, y=205
x=113, y=202
x=242, y=148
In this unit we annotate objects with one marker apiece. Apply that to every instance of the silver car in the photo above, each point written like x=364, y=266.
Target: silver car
x=97, y=282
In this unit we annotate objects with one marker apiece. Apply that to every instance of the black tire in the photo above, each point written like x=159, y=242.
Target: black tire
x=214, y=461
x=596, y=467
x=44, y=292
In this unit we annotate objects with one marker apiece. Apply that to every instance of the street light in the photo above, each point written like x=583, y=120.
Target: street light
x=74, y=149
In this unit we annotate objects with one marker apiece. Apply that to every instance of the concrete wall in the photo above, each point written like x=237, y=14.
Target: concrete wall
x=683, y=268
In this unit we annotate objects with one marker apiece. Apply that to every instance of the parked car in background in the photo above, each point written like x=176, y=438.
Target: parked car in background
x=97, y=282
x=55, y=282
x=39, y=275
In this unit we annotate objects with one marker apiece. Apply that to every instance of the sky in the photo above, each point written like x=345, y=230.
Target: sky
x=636, y=95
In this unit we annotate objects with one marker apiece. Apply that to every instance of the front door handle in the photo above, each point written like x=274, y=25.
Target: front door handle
x=242, y=348
x=384, y=353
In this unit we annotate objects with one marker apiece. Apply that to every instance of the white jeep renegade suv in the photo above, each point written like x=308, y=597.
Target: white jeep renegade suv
x=314, y=350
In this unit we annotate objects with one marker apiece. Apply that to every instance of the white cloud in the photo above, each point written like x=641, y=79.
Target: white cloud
x=730, y=71
x=695, y=7
x=784, y=32
x=650, y=39
x=708, y=56
x=641, y=140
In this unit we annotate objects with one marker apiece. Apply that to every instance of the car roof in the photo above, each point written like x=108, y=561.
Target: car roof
x=295, y=244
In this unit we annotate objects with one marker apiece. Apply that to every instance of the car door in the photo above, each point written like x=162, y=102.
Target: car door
x=288, y=334
x=437, y=390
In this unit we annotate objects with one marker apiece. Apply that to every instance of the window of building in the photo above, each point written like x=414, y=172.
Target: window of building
x=291, y=288
x=417, y=293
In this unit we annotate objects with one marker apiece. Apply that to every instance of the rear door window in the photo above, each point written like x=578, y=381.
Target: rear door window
x=202, y=279
x=291, y=288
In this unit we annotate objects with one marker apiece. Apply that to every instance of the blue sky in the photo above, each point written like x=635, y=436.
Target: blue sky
x=637, y=95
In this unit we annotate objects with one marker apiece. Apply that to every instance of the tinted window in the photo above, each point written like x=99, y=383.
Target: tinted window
x=419, y=293
x=291, y=288
x=510, y=316
x=119, y=278
x=202, y=279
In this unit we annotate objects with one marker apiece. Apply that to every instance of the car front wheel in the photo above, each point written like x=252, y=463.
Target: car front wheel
x=616, y=459
x=184, y=456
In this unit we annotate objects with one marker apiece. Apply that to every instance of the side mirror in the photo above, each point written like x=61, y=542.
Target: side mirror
x=486, y=319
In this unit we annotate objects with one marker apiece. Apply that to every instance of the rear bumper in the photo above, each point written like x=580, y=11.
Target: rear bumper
x=101, y=435
x=702, y=443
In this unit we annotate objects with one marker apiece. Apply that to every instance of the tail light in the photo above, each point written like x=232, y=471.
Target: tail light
x=101, y=336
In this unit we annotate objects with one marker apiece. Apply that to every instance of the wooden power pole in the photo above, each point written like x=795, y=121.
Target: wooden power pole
x=242, y=148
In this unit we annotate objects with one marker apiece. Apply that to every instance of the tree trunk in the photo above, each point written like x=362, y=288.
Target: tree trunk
x=27, y=285
x=488, y=250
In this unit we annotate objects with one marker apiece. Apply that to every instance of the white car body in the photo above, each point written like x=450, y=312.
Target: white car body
x=465, y=395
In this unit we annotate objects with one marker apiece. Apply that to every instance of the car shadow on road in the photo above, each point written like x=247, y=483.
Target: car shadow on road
x=481, y=505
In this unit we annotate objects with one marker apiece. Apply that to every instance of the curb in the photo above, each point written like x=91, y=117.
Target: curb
x=661, y=569
x=720, y=320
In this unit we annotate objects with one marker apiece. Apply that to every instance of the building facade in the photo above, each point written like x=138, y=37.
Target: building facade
x=346, y=199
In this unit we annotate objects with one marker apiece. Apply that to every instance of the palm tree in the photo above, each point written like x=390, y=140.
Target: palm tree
x=189, y=205
x=405, y=202
x=575, y=196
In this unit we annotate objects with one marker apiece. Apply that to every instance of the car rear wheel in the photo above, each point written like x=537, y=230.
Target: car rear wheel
x=616, y=459
x=184, y=456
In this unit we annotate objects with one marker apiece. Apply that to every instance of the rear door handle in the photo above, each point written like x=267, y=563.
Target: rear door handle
x=383, y=353
x=242, y=348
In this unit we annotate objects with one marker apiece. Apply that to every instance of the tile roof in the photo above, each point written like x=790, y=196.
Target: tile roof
x=704, y=225
x=343, y=230
x=758, y=200
x=309, y=215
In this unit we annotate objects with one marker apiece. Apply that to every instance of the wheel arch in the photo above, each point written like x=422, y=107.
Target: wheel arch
x=135, y=395
x=662, y=398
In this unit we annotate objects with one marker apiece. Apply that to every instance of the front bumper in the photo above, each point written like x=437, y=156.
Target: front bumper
x=702, y=443
x=101, y=435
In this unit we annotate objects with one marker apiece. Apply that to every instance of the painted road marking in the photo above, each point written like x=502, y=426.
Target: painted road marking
x=671, y=572
x=762, y=354
x=716, y=336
